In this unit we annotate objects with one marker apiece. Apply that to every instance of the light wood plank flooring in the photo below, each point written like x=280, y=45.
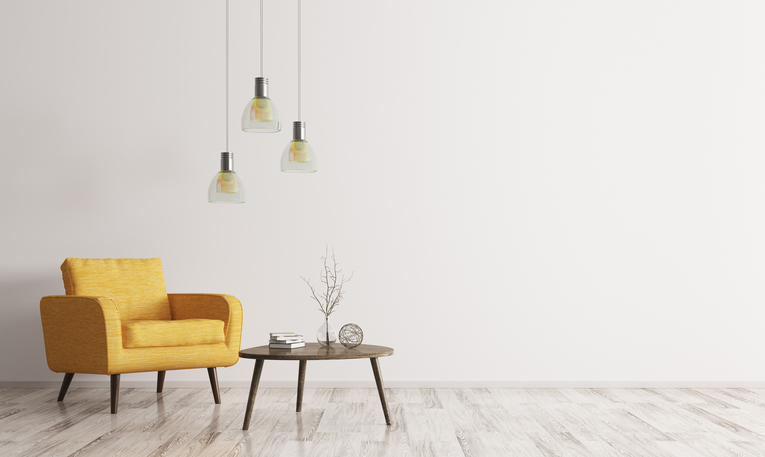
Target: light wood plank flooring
x=349, y=422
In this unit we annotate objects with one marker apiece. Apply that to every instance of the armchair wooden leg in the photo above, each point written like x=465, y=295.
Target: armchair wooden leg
x=213, y=373
x=65, y=386
x=160, y=381
x=115, y=382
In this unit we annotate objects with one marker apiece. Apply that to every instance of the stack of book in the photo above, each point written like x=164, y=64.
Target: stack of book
x=286, y=340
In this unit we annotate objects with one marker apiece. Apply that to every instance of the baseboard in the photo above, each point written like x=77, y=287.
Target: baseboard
x=398, y=384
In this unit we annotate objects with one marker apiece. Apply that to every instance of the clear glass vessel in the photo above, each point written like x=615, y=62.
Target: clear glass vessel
x=326, y=335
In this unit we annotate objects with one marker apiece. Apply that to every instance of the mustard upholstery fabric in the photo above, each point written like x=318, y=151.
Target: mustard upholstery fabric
x=136, y=286
x=186, y=332
x=84, y=334
x=211, y=306
x=81, y=333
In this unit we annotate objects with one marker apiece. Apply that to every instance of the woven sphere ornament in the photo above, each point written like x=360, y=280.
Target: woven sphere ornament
x=351, y=335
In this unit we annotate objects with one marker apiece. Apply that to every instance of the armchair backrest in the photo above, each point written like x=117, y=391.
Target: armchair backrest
x=136, y=286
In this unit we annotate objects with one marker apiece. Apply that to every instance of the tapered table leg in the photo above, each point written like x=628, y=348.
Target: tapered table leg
x=65, y=386
x=380, y=387
x=301, y=383
x=253, y=392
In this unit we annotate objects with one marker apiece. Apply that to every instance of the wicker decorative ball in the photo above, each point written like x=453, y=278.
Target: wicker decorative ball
x=351, y=335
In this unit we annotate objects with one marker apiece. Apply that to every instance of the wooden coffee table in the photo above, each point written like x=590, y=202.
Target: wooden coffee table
x=313, y=351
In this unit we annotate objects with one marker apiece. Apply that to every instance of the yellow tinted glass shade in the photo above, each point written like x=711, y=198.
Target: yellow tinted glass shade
x=261, y=111
x=260, y=116
x=227, y=183
x=299, y=157
x=299, y=152
x=226, y=187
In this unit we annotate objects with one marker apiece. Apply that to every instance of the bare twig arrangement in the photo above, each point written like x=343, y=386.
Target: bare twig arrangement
x=331, y=277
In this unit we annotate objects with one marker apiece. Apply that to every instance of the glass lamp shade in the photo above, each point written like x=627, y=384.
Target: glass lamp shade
x=260, y=116
x=226, y=187
x=299, y=157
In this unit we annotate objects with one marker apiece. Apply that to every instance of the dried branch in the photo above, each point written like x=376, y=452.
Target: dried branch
x=313, y=294
x=329, y=276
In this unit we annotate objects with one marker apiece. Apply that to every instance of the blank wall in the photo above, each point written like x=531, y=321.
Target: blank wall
x=540, y=192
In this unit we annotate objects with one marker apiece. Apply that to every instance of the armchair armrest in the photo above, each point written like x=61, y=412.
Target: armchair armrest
x=211, y=306
x=81, y=333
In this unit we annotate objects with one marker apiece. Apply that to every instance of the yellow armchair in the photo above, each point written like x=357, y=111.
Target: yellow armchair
x=117, y=317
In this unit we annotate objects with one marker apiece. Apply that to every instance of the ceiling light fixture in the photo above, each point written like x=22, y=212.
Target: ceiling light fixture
x=226, y=187
x=299, y=156
x=260, y=114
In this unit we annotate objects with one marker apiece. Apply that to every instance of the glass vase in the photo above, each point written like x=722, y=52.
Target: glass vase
x=326, y=335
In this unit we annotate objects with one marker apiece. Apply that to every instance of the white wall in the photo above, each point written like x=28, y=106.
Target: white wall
x=527, y=191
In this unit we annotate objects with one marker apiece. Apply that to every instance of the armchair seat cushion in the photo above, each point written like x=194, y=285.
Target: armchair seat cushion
x=183, y=332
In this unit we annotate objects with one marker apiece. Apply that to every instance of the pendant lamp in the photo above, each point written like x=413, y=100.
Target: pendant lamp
x=260, y=114
x=299, y=156
x=226, y=187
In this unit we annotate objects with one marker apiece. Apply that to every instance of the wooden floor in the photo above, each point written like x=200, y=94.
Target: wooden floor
x=349, y=422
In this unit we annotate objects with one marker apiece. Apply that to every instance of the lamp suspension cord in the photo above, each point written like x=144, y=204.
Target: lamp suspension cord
x=300, y=70
x=261, y=38
x=226, y=75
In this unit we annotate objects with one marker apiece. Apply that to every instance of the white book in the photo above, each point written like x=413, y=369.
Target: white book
x=286, y=345
x=286, y=334
x=287, y=340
